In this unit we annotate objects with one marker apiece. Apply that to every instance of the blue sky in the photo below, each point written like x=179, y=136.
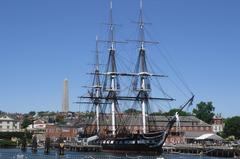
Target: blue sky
x=44, y=42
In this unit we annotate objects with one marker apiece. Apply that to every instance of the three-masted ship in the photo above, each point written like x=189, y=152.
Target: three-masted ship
x=113, y=129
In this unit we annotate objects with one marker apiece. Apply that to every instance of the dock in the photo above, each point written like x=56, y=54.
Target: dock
x=193, y=149
x=85, y=148
x=202, y=150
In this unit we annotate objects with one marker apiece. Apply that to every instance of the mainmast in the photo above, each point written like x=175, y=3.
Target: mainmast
x=144, y=88
x=111, y=84
x=141, y=27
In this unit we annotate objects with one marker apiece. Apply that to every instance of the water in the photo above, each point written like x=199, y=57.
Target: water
x=17, y=154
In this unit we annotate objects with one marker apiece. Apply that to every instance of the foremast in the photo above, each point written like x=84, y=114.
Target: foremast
x=95, y=90
x=97, y=86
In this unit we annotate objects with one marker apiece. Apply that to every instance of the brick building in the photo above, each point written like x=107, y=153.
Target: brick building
x=55, y=131
x=187, y=130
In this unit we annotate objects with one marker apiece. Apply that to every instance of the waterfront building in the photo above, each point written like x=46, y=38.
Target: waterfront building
x=38, y=128
x=67, y=132
x=187, y=130
x=217, y=123
x=8, y=124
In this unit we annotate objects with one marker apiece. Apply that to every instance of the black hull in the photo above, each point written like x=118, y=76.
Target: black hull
x=150, y=143
x=134, y=144
x=132, y=149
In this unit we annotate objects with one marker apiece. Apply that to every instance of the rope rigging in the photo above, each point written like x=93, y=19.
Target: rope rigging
x=140, y=90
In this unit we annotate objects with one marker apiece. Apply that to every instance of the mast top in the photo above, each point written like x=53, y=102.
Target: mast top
x=141, y=26
x=111, y=4
x=141, y=4
x=97, y=56
x=111, y=27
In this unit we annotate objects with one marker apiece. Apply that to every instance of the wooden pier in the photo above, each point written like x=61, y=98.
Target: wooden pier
x=85, y=148
x=201, y=150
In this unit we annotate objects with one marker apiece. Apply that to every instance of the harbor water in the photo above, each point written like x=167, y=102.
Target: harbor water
x=17, y=154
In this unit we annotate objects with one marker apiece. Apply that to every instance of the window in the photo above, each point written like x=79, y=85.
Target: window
x=125, y=142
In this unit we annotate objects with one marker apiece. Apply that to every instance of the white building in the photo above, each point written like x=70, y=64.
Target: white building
x=217, y=123
x=37, y=124
x=8, y=124
x=38, y=128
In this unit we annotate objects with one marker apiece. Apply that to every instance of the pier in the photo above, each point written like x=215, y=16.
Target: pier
x=193, y=149
x=202, y=150
x=85, y=148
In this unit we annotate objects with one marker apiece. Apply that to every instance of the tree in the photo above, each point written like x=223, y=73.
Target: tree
x=60, y=118
x=26, y=122
x=172, y=112
x=204, y=111
x=132, y=111
x=41, y=113
x=1, y=112
x=32, y=113
x=231, y=127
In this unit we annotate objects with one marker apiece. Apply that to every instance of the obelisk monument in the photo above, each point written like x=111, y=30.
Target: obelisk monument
x=65, y=101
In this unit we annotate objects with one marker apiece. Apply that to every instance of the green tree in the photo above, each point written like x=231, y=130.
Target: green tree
x=32, y=113
x=1, y=112
x=41, y=113
x=60, y=118
x=26, y=122
x=132, y=111
x=204, y=111
x=232, y=127
x=9, y=135
x=157, y=113
x=173, y=111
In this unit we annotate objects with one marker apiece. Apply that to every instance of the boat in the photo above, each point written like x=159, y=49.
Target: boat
x=112, y=129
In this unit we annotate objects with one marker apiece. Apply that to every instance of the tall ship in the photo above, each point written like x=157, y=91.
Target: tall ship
x=120, y=119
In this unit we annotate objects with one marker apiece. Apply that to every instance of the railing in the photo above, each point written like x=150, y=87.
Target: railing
x=6, y=155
